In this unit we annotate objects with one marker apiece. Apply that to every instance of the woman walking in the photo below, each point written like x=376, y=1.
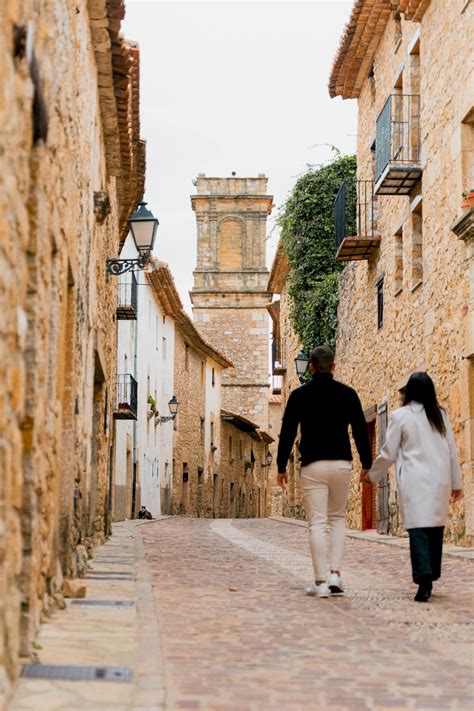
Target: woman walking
x=420, y=440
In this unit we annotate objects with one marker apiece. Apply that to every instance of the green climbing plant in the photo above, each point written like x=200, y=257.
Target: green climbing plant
x=307, y=231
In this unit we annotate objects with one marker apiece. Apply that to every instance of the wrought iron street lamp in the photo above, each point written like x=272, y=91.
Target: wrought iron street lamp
x=301, y=363
x=269, y=460
x=143, y=225
x=173, y=405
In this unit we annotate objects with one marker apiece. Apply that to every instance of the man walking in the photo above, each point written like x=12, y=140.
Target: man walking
x=324, y=408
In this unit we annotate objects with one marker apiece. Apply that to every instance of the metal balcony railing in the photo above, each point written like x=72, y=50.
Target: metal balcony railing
x=127, y=297
x=355, y=220
x=126, y=398
x=398, y=145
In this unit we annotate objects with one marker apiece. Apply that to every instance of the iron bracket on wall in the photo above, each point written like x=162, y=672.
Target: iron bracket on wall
x=120, y=266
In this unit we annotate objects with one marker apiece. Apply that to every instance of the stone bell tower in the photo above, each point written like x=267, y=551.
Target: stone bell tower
x=230, y=285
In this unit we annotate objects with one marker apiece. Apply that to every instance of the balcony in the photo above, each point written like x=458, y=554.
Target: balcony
x=397, y=145
x=126, y=398
x=278, y=367
x=127, y=300
x=355, y=221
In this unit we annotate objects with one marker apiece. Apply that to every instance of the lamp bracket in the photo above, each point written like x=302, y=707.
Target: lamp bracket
x=167, y=419
x=120, y=266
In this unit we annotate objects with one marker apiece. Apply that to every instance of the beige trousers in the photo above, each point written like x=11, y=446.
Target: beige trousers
x=325, y=487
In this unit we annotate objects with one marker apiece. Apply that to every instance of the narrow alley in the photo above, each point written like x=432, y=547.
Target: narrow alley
x=231, y=628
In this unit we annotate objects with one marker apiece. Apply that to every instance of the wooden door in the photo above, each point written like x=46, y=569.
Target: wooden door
x=383, y=486
x=369, y=491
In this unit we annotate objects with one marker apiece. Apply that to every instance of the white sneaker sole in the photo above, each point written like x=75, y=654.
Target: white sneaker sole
x=313, y=593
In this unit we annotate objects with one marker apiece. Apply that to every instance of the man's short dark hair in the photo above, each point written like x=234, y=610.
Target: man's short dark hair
x=322, y=359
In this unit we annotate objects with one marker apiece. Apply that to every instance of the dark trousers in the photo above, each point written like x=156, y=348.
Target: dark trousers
x=426, y=549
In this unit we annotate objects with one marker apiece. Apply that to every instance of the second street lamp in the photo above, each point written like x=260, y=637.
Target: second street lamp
x=143, y=225
x=173, y=405
x=301, y=364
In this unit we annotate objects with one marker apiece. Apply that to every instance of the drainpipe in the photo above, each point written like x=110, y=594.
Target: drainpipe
x=134, y=429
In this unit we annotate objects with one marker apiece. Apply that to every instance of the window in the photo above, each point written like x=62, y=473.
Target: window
x=371, y=77
x=213, y=377
x=186, y=356
x=417, y=243
x=203, y=421
x=379, y=287
x=397, y=31
x=212, y=434
x=398, y=280
x=467, y=151
x=164, y=348
x=414, y=66
x=230, y=450
x=203, y=372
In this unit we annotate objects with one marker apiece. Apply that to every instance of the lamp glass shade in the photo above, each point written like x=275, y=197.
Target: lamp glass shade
x=269, y=458
x=173, y=405
x=301, y=363
x=143, y=225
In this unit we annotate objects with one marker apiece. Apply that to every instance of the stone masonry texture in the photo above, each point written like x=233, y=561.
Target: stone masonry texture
x=427, y=270
x=69, y=140
x=230, y=285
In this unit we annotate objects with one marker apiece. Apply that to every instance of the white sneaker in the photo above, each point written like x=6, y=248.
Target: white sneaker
x=320, y=590
x=334, y=584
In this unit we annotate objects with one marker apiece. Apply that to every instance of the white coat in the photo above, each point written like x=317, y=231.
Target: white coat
x=427, y=466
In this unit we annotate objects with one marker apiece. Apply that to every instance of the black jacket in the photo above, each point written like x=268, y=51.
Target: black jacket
x=324, y=408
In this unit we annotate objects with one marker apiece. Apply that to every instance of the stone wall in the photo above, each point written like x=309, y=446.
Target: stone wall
x=288, y=347
x=59, y=221
x=242, y=488
x=192, y=464
x=425, y=267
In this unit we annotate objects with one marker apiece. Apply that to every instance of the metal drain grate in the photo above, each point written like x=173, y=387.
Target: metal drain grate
x=103, y=574
x=108, y=603
x=76, y=673
x=129, y=579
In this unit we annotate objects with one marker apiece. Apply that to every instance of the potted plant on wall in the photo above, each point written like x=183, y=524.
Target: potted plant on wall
x=150, y=407
x=467, y=200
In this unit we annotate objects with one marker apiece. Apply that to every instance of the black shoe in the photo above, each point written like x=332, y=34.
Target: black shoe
x=424, y=590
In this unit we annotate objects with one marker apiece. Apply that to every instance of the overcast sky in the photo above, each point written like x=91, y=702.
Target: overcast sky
x=233, y=86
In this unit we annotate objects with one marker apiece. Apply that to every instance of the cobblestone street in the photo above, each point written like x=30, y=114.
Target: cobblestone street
x=217, y=620
x=238, y=632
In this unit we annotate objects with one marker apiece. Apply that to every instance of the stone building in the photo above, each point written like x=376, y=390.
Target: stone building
x=230, y=285
x=285, y=348
x=245, y=483
x=71, y=172
x=407, y=292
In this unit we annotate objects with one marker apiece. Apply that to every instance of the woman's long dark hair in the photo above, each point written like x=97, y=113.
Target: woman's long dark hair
x=420, y=388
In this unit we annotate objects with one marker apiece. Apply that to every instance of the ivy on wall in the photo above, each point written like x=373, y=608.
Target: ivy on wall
x=307, y=231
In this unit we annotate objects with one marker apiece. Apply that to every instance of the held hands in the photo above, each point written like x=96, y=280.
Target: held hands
x=364, y=477
x=282, y=480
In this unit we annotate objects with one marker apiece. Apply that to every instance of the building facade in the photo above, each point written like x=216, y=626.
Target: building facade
x=285, y=348
x=407, y=292
x=229, y=296
x=145, y=385
x=71, y=173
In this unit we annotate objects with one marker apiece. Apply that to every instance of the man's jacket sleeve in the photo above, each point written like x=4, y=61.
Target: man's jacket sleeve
x=289, y=428
x=360, y=433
